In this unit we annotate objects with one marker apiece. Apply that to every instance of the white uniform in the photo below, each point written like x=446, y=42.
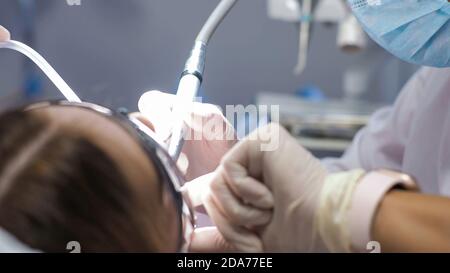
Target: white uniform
x=412, y=136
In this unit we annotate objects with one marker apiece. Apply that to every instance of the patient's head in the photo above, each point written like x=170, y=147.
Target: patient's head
x=71, y=174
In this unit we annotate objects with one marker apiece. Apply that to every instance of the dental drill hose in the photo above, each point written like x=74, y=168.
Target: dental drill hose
x=192, y=76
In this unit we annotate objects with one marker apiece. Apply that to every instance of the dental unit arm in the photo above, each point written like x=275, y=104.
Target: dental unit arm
x=192, y=76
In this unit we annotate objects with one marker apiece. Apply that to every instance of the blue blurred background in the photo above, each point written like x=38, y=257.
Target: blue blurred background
x=111, y=51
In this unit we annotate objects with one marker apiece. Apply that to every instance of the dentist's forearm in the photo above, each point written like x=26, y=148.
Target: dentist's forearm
x=412, y=222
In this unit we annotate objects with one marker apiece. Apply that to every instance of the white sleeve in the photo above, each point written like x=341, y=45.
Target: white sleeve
x=381, y=143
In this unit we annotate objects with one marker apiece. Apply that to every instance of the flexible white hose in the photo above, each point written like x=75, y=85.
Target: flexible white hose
x=48, y=70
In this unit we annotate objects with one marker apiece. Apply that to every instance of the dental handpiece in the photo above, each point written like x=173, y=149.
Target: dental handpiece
x=192, y=77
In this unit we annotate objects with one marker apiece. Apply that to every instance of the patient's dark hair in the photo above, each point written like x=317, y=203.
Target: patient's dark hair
x=56, y=188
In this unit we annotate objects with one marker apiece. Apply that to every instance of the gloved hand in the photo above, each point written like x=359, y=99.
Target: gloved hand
x=294, y=177
x=205, y=148
x=4, y=34
x=257, y=212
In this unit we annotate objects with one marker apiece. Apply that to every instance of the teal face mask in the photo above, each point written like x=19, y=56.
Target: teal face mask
x=416, y=31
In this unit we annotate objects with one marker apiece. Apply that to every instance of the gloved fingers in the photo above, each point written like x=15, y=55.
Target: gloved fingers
x=238, y=212
x=252, y=151
x=4, y=34
x=156, y=106
x=197, y=189
x=209, y=121
x=209, y=239
x=249, y=152
x=241, y=238
x=210, y=135
x=250, y=190
x=234, y=209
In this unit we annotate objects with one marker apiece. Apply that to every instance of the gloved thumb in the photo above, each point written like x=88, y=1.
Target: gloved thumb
x=157, y=106
x=209, y=239
x=197, y=189
x=226, y=237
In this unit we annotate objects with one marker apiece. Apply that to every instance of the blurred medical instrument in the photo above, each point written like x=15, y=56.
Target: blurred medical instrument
x=62, y=86
x=192, y=76
x=325, y=127
x=350, y=36
x=303, y=43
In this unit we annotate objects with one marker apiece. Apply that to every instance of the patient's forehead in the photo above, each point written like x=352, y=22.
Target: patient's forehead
x=108, y=135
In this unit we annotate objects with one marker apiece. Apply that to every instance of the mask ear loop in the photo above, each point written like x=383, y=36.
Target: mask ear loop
x=48, y=70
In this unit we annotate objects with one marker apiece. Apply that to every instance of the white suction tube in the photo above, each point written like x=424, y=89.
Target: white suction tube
x=48, y=70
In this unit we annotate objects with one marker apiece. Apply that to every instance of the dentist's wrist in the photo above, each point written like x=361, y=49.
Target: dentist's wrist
x=332, y=217
x=366, y=199
x=348, y=204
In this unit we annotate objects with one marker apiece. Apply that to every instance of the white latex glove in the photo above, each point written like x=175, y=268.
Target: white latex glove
x=206, y=150
x=257, y=212
x=293, y=176
x=4, y=34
